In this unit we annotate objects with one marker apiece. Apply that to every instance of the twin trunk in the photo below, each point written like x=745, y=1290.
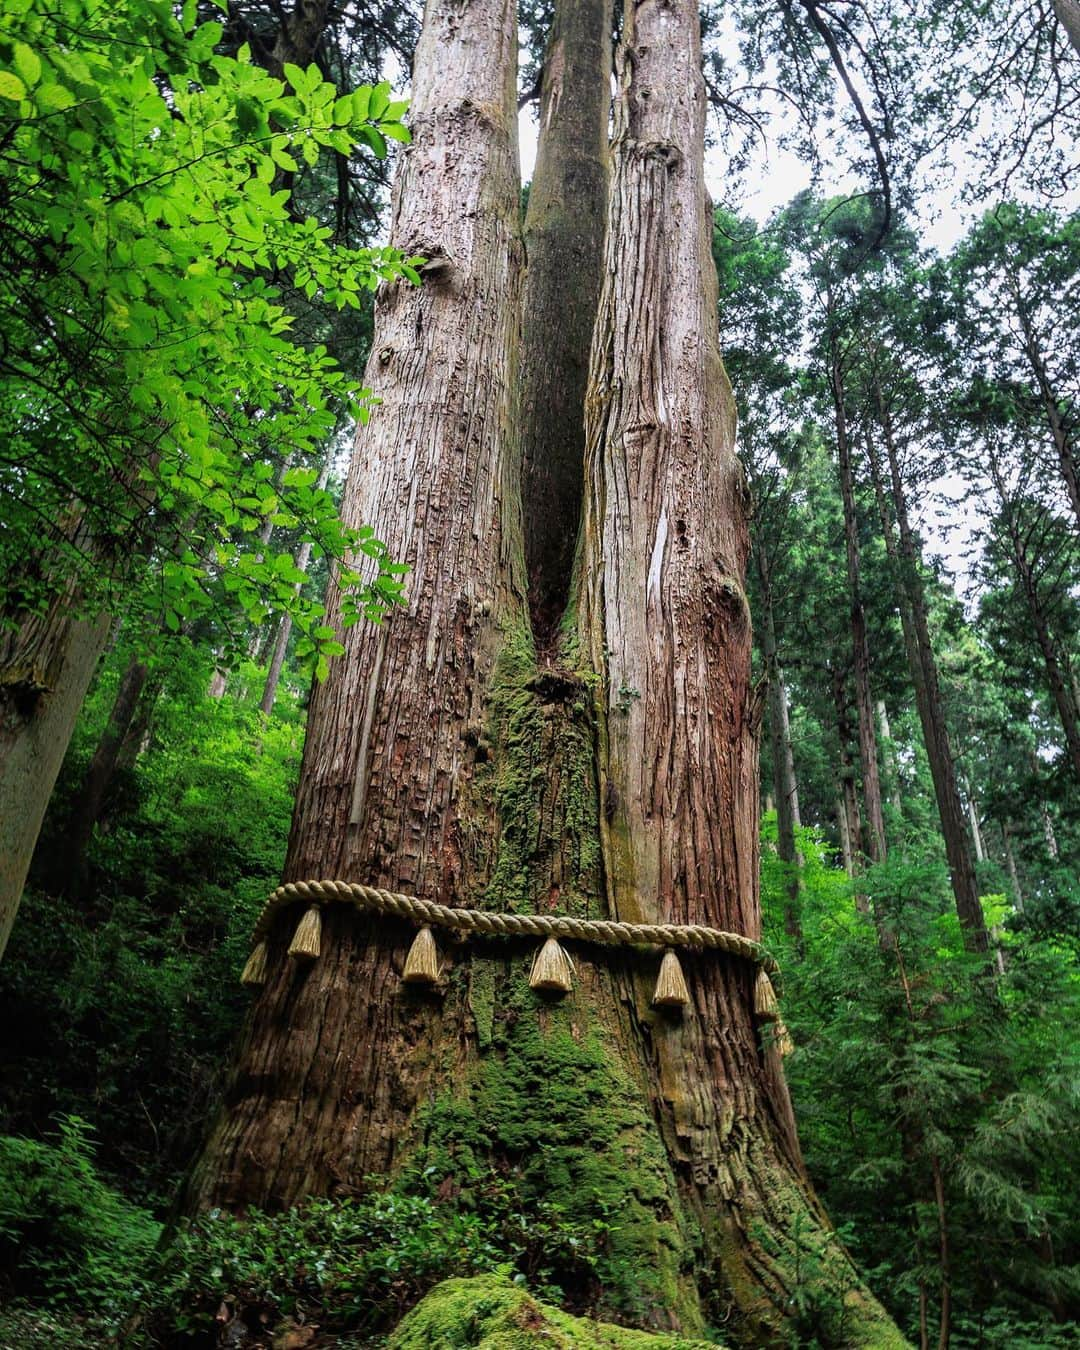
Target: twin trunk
x=615, y=777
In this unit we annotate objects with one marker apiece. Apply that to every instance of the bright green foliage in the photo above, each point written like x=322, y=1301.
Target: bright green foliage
x=149, y=384
x=351, y=1266
x=66, y=1238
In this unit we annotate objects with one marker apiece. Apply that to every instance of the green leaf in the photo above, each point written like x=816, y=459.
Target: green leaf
x=27, y=63
x=11, y=86
x=53, y=97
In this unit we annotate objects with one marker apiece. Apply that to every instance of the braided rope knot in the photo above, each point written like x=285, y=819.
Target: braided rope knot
x=603, y=931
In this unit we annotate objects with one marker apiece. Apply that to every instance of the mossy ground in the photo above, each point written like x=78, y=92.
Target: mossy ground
x=492, y=1314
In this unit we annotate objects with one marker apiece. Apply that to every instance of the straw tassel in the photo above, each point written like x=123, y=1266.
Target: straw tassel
x=422, y=962
x=307, y=939
x=551, y=969
x=671, y=990
x=254, y=973
x=765, y=1004
x=782, y=1038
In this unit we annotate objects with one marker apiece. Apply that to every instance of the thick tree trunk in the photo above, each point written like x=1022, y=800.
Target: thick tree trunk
x=395, y=731
x=922, y=665
x=564, y=243
x=664, y=619
x=442, y=761
x=864, y=703
x=46, y=665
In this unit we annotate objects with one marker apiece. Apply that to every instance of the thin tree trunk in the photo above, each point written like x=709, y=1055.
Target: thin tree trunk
x=924, y=674
x=90, y=802
x=944, y=1271
x=976, y=830
x=864, y=705
x=850, y=821
x=1060, y=690
x=787, y=799
x=46, y=665
x=1048, y=831
x=888, y=756
x=564, y=243
x=844, y=830
x=1063, y=444
x=1010, y=866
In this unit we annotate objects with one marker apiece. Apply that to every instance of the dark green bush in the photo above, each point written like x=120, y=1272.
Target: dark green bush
x=66, y=1238
x=354, y=1267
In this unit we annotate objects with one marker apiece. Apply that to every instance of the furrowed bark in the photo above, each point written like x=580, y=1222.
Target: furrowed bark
x=394, y=730
x=444, y=760
x=564, y=240
x=664, y=620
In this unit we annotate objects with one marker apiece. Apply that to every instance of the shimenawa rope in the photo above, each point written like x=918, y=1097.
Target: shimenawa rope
x=485, y=921
x=552, y=969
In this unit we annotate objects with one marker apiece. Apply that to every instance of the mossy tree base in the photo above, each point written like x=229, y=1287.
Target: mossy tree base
x=492, y=1314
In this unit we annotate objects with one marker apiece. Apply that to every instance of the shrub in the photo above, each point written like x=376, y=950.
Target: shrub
x=65, y=1236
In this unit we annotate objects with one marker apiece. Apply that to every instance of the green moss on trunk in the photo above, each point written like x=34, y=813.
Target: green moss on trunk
x=552, y=1111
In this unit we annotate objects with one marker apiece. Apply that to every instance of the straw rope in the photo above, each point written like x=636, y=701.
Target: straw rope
x=524, y=925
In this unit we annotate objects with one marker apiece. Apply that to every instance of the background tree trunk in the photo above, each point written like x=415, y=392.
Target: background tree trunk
x=90, y=802
x=1068, y=13
x=564, y=242
x=924, y=678
x=46, y=665
x=864, y=703
x=784, y=784
x=284, y=628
